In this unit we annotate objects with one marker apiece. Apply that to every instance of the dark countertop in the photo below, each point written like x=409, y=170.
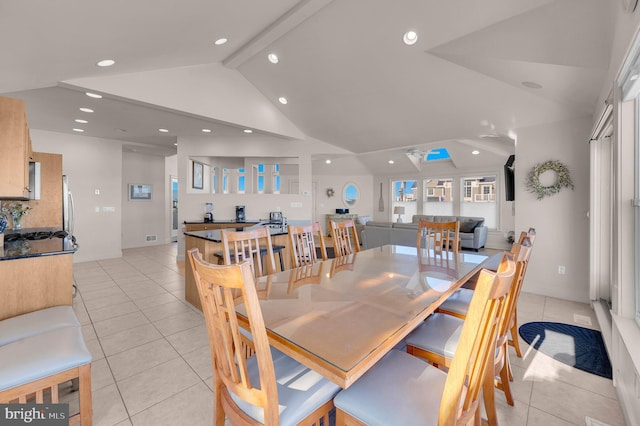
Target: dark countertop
x=20, y=249
x=214, y=235
x=201, y=221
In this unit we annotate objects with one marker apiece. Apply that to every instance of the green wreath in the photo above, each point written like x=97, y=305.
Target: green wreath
x=563, y=179
x=330, y=192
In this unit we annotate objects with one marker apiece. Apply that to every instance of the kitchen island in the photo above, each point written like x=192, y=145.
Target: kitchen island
x=201, y=225
x=35, y=274
x=210, y=241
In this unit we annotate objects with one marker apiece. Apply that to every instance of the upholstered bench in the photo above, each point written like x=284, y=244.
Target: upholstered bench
x=40, y=350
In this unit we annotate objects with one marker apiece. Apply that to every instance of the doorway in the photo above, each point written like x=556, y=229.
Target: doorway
x=174, y=208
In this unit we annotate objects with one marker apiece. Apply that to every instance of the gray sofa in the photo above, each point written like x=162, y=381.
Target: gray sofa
x=473, y=233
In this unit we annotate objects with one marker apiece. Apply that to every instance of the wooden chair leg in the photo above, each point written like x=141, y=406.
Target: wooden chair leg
x=218, y=411
x=504, y=385
x=84, y=383
x=515, y=342
x=489, y=396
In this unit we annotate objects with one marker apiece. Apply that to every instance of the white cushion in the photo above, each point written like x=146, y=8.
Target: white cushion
x=37, y=322
x=439, y=334
x=399, y=390
x=42, y=355
x=458, y=302
x=300, y=390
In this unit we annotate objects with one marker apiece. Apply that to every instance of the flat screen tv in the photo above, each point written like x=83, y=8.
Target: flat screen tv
x=509, y=179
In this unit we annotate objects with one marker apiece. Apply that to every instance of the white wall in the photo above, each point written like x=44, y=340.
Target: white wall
x=91, y=164
x=328, y=205
x=142, y=218
x=561, y=220
x=258, y=206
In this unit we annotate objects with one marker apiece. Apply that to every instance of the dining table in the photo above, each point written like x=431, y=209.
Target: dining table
x=342, y=315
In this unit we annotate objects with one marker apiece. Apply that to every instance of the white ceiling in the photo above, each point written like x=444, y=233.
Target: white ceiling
x=349, y=79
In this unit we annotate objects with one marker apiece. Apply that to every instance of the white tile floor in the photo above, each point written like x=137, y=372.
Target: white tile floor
x=152, y=364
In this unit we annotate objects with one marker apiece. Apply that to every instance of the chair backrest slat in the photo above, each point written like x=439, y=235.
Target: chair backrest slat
x=303, y=245
x=345, y=238
x=440, y=236
x=249, y=245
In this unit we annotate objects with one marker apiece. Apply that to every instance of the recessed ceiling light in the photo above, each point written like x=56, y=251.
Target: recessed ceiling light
x=475, y=152
x=282, y=100
x=105, y=63
x=531, y=85
x=83, y=109
x=391, y=162
x=206, y=130
x=93, y=95
x=77, y=120
x=273, y=58
x=410, y=38
x=163, y=130
x=248, y=131
x=78, y=130
x=220, y=41
x=327, y=161
x=175, y=144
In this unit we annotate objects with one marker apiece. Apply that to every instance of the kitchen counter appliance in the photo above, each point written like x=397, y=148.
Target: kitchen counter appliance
x=275, y=218
x=240, y=214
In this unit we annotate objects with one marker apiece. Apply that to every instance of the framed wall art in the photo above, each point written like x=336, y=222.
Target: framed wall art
x=139, y=192
x=198, y=171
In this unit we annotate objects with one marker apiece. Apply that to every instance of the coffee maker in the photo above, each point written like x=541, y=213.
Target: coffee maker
x=240, y=216
x=208, y=213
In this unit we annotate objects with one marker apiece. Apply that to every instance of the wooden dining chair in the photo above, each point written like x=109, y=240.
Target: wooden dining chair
x=531, y=234
x=436, y=339
x=440, y=236
x=254, y=244
x=303, y=245
x=402, y=389
x=262, y=389
x=345, y=238
x=514, y=340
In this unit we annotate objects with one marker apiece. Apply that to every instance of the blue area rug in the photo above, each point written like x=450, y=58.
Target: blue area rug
x=578, y=347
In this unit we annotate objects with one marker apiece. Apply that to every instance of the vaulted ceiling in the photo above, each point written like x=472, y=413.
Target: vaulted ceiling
x=478, y=72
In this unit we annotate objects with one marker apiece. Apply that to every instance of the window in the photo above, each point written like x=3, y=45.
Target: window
x=225, y=181
x=468, y=190
x=241, y=181
x=214, y=180
x=437, y=154
x=259, y=176
x=404, y=190
x=438, y=196
x=479, y=199
x=276, y=179
x=405, y=195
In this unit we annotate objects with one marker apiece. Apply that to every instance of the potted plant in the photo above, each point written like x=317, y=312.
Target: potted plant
x=16, y=210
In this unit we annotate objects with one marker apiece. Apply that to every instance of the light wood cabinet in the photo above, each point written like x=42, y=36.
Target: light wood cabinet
x=34, y=283
x=47, y=211
x=15, y=146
